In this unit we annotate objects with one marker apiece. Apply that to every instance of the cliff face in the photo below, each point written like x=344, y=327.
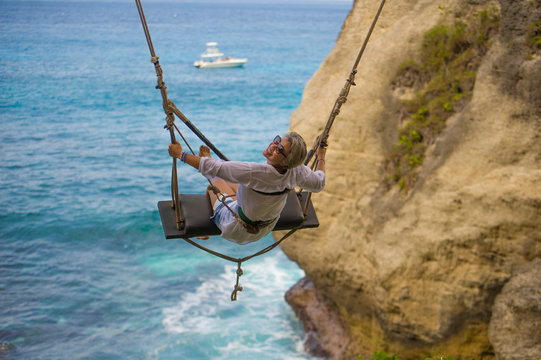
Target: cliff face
x=417, y=273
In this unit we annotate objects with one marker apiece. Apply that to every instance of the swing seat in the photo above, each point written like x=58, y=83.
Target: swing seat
x=196, y=211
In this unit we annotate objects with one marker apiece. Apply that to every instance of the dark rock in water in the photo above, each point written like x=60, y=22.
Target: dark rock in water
x=6, y=348
x=325, y=334
x=515, y=325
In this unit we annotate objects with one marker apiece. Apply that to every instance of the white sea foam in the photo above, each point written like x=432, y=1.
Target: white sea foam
x=254, y=324
x=196, y=310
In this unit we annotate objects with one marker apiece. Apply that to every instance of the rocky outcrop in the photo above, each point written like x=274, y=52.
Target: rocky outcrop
x=6, y=349
x=326, y=336
x=516, y=316
x=417, y=273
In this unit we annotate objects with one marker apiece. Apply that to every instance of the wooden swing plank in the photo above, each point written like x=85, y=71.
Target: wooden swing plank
x=196, y=211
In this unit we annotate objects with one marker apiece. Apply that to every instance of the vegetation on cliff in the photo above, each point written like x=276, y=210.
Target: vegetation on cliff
x=443, y=77
x=533, y=37
x=382, y=355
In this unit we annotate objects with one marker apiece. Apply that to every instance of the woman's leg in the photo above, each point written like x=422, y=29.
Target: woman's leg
x=225, y=188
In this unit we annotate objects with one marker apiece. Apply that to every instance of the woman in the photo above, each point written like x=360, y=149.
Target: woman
x=257, y=192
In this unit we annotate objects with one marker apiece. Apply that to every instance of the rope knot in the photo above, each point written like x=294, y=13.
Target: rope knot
x=237, y=285
x=170, y=121
x=214, y=189
x=154, y=59
x=351, y=78
x=234, y=293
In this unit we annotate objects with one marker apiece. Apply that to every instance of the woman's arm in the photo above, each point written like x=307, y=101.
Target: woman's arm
x=321, y=151
x=314, y=180
x=233, y=171
x=175, y=150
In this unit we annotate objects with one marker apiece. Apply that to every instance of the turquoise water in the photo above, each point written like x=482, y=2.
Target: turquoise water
x=85, y=272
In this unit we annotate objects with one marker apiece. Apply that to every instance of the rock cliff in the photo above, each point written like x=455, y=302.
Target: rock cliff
x=416, y=271
x=516, y=315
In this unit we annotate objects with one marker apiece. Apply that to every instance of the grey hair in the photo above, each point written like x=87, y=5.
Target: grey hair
x=297, y=150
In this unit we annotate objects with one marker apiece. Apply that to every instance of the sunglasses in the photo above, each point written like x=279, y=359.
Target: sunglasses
x=279, y=147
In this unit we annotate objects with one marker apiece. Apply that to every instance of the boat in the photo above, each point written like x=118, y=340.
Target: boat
x=213, y=58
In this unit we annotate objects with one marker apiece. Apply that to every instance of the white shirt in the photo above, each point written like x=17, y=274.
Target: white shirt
x=261, y=177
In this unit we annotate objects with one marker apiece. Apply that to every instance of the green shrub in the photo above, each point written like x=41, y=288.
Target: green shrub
x=447, y=66
x=382, y=355
x=533, y=35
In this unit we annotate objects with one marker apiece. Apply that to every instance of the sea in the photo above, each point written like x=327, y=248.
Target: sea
x=85, y=269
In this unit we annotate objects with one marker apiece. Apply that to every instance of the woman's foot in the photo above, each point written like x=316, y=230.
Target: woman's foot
x=204, y=151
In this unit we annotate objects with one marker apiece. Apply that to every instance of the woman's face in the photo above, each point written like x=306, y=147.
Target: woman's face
x=277, y=151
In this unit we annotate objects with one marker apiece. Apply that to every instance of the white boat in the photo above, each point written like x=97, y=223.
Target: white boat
x=212, y=58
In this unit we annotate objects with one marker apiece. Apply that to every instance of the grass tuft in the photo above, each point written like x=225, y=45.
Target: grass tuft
x=444, y=75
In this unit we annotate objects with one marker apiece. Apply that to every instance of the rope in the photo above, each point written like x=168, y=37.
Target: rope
x=169, y=118
x=342, y=97
x=321, y=140
x=171, y=109
x=239, y=261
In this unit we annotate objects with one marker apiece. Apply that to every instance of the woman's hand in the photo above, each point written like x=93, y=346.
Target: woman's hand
x=175, y=150
x=321, y=151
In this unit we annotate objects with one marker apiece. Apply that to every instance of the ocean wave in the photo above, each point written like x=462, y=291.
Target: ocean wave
x=255, y=324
